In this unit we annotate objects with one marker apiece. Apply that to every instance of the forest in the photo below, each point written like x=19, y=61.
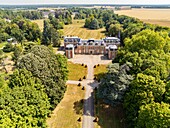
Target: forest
x=138, y=78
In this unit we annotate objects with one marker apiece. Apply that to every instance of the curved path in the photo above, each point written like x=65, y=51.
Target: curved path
x=89, y=84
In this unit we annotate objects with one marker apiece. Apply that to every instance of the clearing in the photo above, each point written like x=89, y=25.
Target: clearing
x=153, y=16
x=77, y=29
x=68, y=110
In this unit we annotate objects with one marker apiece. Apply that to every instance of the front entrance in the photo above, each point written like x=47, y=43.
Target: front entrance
x=91, y=52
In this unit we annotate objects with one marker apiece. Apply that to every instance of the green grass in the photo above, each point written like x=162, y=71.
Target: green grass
x=76, y=71
x=69, y=109
x=77, y=29
x=99, y=71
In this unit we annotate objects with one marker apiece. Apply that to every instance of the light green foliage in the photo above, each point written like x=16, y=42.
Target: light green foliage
x=154, y=115
x=23, y=107
x=147, y=40
x=25, y=104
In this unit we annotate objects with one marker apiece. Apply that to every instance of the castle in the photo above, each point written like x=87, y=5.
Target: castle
x=107, y=46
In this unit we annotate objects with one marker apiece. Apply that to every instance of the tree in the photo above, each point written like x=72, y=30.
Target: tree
x=154, y=115
x=24, y=104
x=94, y=24
x=167, y=93
x=115, y=84
x=17, y=53
x=23, y=107
x=50, y=35
x=114, y=30
x=8, y=47
x=51, y=69
x=46, y=39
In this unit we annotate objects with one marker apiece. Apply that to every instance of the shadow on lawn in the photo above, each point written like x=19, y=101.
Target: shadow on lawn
x=109, y=117
x=78, y=107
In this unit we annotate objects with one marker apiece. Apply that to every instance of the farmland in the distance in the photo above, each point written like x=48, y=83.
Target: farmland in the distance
x=153, y=16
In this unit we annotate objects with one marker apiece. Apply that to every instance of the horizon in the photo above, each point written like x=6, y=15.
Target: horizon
x=84, y=2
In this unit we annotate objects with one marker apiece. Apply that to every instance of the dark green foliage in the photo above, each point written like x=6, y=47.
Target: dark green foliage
x=167, y=93
x=64, y=16
x=114, y=30
x=92, y=23
x=19, y=29
x=10, y=14
x=46, y=39
x=17, y=52
x=115, y=83
x=56, y=23
x=51, y=69
x=8, y=48
x=50, y=35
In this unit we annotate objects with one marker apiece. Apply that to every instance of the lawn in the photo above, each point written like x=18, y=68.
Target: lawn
x=77, y=29
x=153, y=16
x=99, y=71
x=69, y=109
x=109, y=117
x=76, y=71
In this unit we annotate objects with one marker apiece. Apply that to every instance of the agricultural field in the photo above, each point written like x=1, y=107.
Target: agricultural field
x=77, y=29
x=153, y=16
x=69, y=110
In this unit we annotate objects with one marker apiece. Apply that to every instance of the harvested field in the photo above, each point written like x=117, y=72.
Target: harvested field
x=153, y=16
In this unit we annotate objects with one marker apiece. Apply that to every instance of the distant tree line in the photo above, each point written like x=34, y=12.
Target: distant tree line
x=11, y=14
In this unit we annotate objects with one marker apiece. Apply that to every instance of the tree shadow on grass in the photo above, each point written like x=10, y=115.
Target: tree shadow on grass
x=110, y=117
x=99, y=76
x=78, y=107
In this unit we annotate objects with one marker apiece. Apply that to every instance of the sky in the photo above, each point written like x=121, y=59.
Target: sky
x=2, y=2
